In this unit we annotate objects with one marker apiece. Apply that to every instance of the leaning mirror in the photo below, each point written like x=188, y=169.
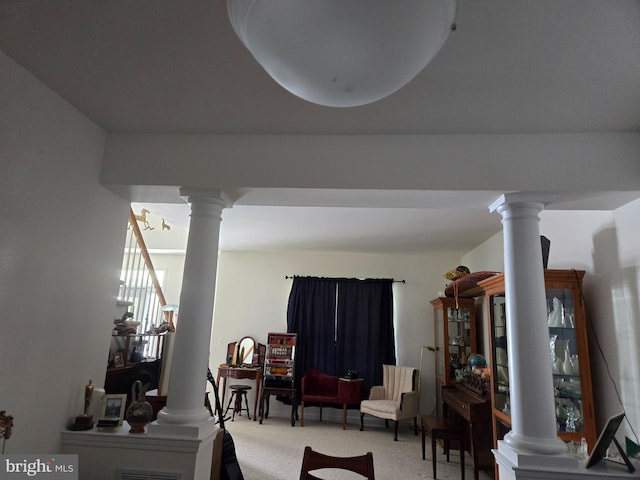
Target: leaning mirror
x=245, y=350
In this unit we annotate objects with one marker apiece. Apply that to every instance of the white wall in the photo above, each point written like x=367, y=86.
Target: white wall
x=60, y=253
x=173, y=265
x=606, y=245
x=613, y=295
x=252, y=295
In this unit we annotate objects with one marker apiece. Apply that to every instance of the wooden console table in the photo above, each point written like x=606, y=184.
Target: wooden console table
x=240, y=373
x=349, y=393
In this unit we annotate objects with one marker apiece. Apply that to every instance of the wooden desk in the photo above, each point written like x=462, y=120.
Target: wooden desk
x=475, y=408
x=240, y=373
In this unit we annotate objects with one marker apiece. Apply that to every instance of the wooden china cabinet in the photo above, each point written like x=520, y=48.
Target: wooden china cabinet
x=568, y=354
x=455, y=339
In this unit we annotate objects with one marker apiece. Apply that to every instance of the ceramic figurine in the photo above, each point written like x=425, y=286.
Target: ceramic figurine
x=567, y=366
x=556, y=315
x=140, y=412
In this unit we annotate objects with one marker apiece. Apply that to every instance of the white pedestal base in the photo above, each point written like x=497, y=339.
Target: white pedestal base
x=514, y=465
x=103, y=453
x=194, y=430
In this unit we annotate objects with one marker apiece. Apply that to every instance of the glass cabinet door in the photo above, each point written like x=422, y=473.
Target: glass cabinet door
x=439, y=343
x=500, y=359
x=455, y=336
x=459, y=328
x=568, y=354
x=565, y=361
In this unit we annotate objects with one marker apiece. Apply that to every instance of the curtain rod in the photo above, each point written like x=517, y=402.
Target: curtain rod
x=287, y=277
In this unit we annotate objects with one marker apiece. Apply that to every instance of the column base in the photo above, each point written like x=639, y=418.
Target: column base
x=533, y=445
x=520, y=464
x=525, y=466
x=176, y=416
x=194, y=430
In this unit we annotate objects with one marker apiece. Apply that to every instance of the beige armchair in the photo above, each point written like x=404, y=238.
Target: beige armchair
x=397, y=399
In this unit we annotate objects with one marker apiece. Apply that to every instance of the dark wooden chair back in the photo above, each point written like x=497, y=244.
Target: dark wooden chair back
x=315, y=383
x=312, y=460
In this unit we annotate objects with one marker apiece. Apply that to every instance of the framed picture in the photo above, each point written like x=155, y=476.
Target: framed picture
x=607, y=436
x=112, y=410
x=118, y=359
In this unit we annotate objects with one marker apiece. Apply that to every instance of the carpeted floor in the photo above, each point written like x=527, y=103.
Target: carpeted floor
x=273, y=450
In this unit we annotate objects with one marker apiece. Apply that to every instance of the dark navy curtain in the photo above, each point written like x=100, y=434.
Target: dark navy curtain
x=311, y=314
x=365, y=337
x=342, y=324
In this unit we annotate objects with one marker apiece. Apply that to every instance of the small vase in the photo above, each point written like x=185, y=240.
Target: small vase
x=561, y=413
x=571, y=420
x=568, y=320
x=556, y=366
x=575, y=364
x=567, y=365
x=556, y=361
x=140, y=411
x=556, y=316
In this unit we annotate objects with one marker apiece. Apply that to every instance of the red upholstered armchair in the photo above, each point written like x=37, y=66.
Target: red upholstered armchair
x=318, y=387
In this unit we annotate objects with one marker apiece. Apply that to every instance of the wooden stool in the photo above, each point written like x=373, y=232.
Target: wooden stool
x=237, y=393
x=441, y=428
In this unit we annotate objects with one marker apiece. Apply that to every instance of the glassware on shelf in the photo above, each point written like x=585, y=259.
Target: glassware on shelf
x=571, y=420
x=584, y=449
x=561, y=413
x=463, y=357
x=567, y=366
x=507, y=407
x=575, y=364
x=578, y=449
x=556, y=361
x=556, y=315
x=568, y=319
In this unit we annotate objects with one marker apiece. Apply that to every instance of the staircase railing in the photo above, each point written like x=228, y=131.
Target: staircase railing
x=140, y=290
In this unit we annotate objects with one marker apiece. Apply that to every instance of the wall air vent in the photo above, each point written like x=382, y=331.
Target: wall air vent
x=146, y=475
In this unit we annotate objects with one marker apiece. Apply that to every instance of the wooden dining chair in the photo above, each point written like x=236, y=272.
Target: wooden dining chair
x=312, y=460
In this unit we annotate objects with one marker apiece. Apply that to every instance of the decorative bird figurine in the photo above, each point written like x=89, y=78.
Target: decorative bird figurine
x=457, y=273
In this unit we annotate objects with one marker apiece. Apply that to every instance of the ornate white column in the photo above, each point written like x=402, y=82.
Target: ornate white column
x=533, y=439
x=187, y=381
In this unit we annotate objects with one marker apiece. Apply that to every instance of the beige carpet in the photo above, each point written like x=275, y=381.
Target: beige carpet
x=273, y=450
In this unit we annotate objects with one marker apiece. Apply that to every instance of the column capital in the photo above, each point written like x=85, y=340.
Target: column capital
x=206, y=195
x=509, y=201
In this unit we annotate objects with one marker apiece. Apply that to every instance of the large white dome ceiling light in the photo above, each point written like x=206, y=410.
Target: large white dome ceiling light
x=343, y=53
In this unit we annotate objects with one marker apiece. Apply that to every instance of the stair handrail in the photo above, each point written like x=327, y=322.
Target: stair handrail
x=147, y=259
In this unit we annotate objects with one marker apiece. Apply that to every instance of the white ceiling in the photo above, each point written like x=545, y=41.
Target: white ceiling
x=166, y=66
